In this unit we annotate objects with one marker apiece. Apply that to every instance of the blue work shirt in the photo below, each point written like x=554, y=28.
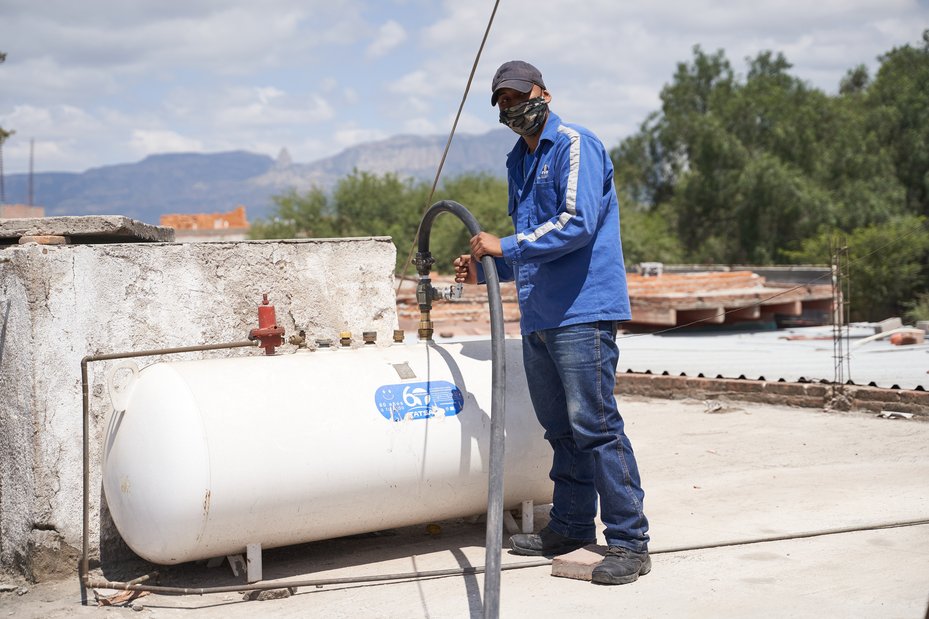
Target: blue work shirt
x=566, y=256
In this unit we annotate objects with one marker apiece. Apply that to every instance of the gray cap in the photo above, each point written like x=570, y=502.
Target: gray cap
x=517, y=75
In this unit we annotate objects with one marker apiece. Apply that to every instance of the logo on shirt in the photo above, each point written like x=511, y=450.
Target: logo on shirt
x=543, y=173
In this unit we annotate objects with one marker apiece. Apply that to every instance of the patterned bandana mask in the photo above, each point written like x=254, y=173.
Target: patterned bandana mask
x=526, y=118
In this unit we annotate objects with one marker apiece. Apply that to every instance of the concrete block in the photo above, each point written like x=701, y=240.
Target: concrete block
x=89, y=229
x=253, y=559
x=888, y=325
x=578, y=564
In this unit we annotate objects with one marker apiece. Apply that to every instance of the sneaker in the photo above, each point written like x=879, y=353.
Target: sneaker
x=621, y=566
x=545, y=543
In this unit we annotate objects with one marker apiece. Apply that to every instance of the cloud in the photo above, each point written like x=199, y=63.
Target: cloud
x=389, y=35
x=62, y=134
x=96, y=82
x=351, y=135
x=151, y=141
x=263, y=107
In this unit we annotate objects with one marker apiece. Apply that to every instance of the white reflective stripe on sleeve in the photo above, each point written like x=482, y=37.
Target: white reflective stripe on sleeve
x=571, y=193
x=574, y=170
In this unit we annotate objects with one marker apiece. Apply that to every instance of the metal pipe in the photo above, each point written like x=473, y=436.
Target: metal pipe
x=319, y=582
x=494, y=538
x=134, y=585
x=85, y=542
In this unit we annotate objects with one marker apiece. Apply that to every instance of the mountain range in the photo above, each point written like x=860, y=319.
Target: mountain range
x=218, y=182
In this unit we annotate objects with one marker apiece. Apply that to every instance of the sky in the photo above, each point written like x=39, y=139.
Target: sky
x=102, y=82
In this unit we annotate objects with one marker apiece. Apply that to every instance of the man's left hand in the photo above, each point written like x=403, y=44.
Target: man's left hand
x=485, y=244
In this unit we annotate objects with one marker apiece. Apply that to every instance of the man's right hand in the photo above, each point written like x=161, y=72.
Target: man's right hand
x=465, y=269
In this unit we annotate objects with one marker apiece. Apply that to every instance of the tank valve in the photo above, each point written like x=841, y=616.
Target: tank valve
x=453, y=292
x=268, y=333
x=298, y=340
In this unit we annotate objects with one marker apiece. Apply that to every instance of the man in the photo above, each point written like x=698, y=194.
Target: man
x=566, y=258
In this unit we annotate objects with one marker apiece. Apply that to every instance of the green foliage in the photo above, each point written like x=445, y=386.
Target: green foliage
x=746, y=169
x=365, y=204
x=761, y=169
x=917, y=309
x=297, y=216
x=886, y=264
x=362, y=204
x=898, y=111
x=485, y=197
x=757, y=168
x=647, y=235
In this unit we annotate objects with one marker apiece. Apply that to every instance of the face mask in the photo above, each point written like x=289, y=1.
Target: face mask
x=526, y=118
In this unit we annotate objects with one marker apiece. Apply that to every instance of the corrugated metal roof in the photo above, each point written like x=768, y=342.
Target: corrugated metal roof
x=770, y=356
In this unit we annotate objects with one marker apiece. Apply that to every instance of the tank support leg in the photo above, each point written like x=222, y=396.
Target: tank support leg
x=509, y=523
x=528, y=516
x=236, y=564
x=253, y=558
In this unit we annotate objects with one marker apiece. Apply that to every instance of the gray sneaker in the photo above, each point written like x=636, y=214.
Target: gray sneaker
x=621, y=566
x=545, y=543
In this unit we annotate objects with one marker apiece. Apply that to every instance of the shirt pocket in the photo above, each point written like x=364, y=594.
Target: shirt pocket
x=546, y=200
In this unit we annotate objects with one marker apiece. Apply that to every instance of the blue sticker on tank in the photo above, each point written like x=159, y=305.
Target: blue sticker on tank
x=437, y=398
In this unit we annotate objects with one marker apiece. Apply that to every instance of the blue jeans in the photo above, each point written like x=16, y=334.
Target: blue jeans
x=571, y=373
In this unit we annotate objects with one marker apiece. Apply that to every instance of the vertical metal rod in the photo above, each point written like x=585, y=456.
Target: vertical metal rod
x=85, y=393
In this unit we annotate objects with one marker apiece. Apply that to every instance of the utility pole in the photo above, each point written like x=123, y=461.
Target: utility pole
x=3, y=136
x=841, y=298
x=31, y=166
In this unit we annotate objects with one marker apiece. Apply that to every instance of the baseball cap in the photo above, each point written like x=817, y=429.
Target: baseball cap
x=517, y=75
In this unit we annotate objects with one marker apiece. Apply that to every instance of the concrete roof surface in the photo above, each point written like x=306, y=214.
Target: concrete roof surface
x=746, y=473
x=769, y=354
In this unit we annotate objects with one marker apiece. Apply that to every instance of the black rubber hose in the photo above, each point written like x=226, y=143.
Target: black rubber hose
x=494, y=539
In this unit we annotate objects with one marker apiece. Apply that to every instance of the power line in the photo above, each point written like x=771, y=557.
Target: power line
x=448, y=143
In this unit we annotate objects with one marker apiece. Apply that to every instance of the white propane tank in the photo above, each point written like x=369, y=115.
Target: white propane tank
x=204, y=457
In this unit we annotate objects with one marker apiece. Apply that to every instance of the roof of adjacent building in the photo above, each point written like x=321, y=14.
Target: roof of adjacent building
x=207, y=221
x=808, y=354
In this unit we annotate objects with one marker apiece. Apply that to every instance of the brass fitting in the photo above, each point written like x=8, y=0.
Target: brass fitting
x=345, y=338
x=425, y=326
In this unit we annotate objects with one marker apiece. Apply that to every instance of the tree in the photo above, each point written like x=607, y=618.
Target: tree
x=297, y=216
x=362, y=204
x=898, y=106
x=485, y=196
x=886, y=264
x=366, y=204
x=745, y=169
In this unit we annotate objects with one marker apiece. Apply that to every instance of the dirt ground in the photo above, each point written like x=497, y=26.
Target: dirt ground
x=755, y=510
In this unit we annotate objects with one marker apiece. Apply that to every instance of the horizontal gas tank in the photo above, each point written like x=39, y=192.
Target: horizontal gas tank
x=204, y=457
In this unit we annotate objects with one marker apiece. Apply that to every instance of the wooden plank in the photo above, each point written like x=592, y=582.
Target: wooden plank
x=713, y=316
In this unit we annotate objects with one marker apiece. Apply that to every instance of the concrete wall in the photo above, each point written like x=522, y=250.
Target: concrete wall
x=60, y=303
